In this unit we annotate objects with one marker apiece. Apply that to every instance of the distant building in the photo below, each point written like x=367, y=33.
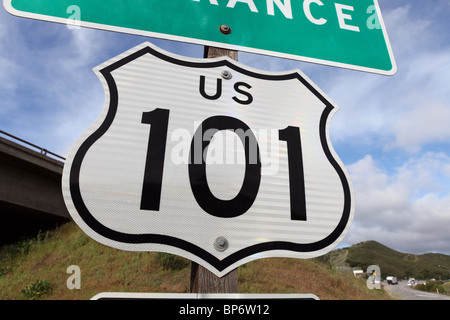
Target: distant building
x=358, y=273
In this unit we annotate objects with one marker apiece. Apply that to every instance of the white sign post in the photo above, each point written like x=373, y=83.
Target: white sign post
x=210, y=160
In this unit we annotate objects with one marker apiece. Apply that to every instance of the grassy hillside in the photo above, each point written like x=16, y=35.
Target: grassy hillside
x=36, y=269
x=391, y=262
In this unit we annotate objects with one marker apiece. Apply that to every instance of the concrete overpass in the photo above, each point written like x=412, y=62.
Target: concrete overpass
x=30, y=190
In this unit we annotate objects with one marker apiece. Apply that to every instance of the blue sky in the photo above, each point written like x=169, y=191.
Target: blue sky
x=392, y=133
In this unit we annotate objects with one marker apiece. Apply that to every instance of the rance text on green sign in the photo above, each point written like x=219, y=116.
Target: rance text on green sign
x=343, y=33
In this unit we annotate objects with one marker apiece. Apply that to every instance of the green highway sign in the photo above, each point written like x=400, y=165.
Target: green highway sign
x=342, y=33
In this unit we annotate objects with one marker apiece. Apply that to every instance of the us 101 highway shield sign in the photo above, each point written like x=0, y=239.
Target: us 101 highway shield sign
x=210, y=160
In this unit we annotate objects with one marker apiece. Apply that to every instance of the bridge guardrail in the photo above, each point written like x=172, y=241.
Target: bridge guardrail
x=42, y=150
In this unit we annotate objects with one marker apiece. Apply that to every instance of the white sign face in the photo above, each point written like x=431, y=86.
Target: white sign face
x=210, y=160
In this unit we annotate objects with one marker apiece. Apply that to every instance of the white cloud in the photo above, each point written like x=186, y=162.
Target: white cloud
x=49, y=93
x=407, y=111
x=408, y=209
x=424, y=124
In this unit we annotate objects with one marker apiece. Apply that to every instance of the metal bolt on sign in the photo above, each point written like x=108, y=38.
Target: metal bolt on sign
x=221, y=244
x=225, y=29
x=227, y=75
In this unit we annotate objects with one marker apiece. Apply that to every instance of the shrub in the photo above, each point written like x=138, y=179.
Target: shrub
x=432, y=287
x=37, y=289
x=24, y=246
x=3, y=270
x=170, y=261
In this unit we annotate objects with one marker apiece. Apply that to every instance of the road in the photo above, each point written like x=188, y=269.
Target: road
x=404, y=292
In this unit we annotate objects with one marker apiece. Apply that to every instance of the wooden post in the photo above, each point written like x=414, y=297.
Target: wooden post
x=213, y=52
x=203, y=280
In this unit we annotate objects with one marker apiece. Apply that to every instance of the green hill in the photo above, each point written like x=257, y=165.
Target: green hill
x=37, y=269
x=391, y=262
